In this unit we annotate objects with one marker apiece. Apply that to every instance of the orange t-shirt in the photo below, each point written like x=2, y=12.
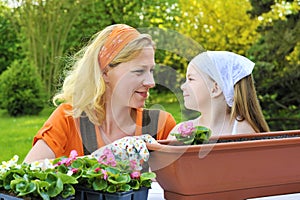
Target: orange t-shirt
x=62, y=133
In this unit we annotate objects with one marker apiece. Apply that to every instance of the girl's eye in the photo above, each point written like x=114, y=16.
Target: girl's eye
x=191, y=79
x=152, y=70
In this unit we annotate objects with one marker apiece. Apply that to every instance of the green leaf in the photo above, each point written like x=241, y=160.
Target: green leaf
x=68, y=191
x=146, y=183
x=125, y=187
x=121, y=179
x=23, y=186
x=42, y=189
x=147, y=176
x=7, y=178
x=78, y=164
x=99, y=185
x=111, y=188
x=56, y=185
x=112, y=170
x=202, y=134
x=37, y=174
x=66, y=179
x=135, y=184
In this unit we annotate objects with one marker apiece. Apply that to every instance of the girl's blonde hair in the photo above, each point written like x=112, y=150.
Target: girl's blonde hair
x=84, y=86
x=246, y=105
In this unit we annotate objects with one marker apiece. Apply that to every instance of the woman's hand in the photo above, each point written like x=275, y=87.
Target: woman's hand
x=132, y=148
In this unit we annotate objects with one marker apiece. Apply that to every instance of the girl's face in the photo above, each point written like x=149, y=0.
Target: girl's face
x=195, y=89
x=129, y=82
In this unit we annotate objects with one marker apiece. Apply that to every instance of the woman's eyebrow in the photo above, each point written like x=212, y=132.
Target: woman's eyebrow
x=146, y=66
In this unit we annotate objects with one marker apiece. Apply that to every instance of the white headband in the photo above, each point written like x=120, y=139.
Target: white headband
x=226, y=68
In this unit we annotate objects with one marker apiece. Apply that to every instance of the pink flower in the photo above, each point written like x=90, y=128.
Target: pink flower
x=135, y=175
x=68, y=161
x=64, y=161
x=97, y=169
x=74, y=170
x=107, y=158
x=105, y=175
x=73, y=154
x=103, y=171
x=133, y=164
x=111, y=160
x=186, y=129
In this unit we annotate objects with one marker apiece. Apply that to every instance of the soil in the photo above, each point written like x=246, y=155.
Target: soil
x=256, y=138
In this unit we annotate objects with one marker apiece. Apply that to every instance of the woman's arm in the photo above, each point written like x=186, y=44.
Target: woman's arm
x=39, y=151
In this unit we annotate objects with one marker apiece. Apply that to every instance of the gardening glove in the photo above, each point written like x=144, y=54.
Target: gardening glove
x=132, y=148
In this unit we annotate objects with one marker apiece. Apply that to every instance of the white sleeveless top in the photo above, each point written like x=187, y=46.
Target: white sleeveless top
x=234, y=128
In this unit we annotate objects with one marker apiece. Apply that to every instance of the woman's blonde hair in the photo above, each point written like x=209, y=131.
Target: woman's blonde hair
x=84, y=86
x=246, y=105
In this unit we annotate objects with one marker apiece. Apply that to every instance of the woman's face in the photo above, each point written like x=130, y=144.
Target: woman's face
x=129, y=82
x=195, y=89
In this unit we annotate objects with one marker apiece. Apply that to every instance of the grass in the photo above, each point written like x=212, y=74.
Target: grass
x=17, y=132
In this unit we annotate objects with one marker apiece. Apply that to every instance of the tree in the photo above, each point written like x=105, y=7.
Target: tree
x=54, y=29
x=21, y=89
x=219, y=24
x=9, y=48
x=277, y=55
x=46, y=25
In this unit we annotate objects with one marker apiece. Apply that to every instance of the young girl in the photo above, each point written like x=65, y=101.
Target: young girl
x=219, y=84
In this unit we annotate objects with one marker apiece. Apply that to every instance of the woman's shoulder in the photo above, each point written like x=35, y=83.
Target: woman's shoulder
x=62, y=110
x=157, y=111
x=65, y=106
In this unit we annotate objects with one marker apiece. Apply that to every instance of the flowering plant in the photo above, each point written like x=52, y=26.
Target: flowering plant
x=188, y=134
x=62, y=176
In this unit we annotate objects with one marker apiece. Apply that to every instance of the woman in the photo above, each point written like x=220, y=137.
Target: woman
x=219, y=84
x=108, y=85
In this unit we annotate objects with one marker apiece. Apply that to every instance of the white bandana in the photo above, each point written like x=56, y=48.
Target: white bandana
x=226, y=68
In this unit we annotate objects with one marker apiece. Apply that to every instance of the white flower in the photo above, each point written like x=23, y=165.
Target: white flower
x=36, y=165
x=70, y=173
x=6, y=165
x=48, y=164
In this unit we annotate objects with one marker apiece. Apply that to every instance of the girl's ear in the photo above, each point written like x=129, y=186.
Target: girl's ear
x=215, y=90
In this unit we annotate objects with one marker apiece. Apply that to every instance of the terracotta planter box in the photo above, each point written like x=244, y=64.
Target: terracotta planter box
x=240, y=167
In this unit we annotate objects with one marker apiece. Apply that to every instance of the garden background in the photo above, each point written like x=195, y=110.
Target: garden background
x=38, y=37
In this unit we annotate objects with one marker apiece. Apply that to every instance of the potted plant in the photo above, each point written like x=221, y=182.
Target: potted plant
x=229, y=167
x=188, y=134
x=74, y=177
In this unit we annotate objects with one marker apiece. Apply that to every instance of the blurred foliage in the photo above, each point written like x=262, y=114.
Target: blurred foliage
x=10, y=45
x=266, y=31
x=277, y=57
x=21, y=89
x=219, y=24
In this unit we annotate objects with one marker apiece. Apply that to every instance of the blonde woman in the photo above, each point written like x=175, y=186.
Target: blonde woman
x=107, y=88
x=219, y=84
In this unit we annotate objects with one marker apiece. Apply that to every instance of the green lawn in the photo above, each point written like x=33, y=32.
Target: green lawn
x=16, y=133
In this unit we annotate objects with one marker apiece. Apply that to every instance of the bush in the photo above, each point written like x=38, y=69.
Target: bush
x=21, y=91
